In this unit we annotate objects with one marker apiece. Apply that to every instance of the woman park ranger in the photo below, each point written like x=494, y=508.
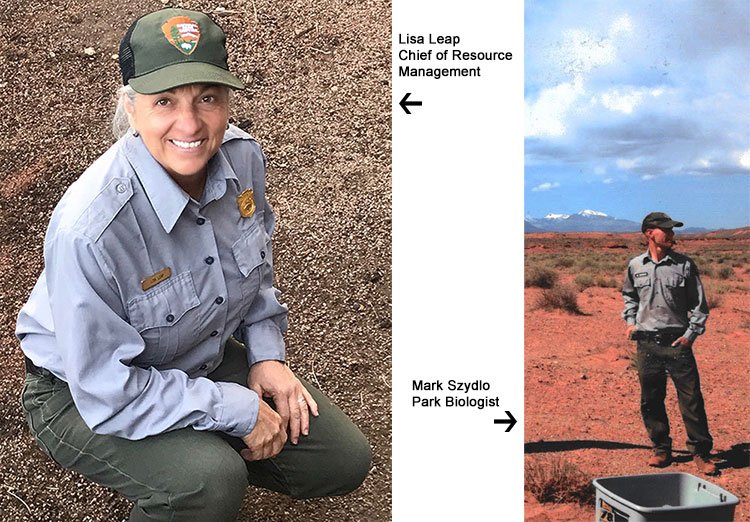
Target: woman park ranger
x=154, y=337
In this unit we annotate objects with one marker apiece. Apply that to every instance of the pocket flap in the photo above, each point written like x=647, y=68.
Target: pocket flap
x=165, y=304
x=250, y=250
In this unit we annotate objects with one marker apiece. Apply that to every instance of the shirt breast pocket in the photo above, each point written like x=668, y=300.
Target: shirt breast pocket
x=674, y=290
x=674, y=281
x=642, y=284
x=251, y=252
x=162, y=317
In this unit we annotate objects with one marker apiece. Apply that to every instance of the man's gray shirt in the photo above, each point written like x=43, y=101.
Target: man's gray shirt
x=665, y=295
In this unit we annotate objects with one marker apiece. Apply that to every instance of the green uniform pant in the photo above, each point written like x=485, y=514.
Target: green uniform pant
x=654, y=363
x=189, y=475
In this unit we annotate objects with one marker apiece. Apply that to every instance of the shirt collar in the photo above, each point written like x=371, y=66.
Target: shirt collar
x=667, y=258
x=219, y=172
x=167, y=198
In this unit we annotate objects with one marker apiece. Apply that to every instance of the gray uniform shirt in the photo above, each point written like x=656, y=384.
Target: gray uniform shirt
x=665, y=295
x=136, y=355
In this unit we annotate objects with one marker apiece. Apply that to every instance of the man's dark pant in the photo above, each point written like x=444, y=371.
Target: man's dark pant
x=654, y=362
x=189, y=475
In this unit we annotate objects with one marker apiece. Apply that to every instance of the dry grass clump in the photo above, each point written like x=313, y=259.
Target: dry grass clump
x=584, y=281
x=540, y=277
x=560, y=297
x=557, y=480
x=606, y=282
x=725, y=272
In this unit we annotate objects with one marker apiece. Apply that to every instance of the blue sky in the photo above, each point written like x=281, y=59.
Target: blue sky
x=633, y=106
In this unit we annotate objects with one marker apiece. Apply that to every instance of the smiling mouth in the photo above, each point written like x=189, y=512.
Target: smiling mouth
x=187, y=145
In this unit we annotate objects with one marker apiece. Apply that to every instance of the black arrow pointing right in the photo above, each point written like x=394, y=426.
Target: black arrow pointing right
x=405, y=104
x=510, y=421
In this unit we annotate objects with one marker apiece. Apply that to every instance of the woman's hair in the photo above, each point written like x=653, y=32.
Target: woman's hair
x=126, y=94
x=120, y=122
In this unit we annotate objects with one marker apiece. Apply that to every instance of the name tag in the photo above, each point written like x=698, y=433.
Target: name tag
x=153, y=280
x=641, y=274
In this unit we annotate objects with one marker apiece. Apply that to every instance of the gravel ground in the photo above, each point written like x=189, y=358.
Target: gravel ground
x=318, y=100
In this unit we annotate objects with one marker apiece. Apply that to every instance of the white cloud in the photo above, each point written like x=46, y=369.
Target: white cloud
x=599, y=170
x=546, y=116
x=582, y=50
x=647, y=177
x=745, y=159
x=622, y=25
x=579, y=52
x=627, y=164
x=545, y=186
x=608, y=181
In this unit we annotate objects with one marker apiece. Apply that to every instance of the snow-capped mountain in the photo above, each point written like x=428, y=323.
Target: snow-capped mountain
x=592, y=213
x=583, y=221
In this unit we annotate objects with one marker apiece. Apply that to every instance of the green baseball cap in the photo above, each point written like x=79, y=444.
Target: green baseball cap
x=659, y=220
x=174, y=47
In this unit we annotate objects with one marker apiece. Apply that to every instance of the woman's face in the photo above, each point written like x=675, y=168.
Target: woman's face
x=183, y=127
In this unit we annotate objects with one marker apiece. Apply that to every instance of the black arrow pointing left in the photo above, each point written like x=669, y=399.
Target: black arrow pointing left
x=510, y=421
x=405, y=104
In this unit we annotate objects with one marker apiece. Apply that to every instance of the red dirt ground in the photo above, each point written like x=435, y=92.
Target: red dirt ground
x=581, y=397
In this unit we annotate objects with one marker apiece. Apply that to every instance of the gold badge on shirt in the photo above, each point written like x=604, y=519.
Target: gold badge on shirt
x=246, y=203
x=153, y=280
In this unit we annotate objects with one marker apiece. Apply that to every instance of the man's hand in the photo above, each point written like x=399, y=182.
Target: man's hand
x=268, y=435
x=294, y=403
x=629, y=331
x=683, y=342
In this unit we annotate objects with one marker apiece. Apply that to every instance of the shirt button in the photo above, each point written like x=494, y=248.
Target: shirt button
x=200, y=221
x=214, y=333
x=170, y=318
x=262, y=254
x=121, y=188
x=219, y=300
x=209, y=260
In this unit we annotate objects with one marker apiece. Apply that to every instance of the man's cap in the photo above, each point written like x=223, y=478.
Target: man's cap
x=659, y=220
x=174, y=47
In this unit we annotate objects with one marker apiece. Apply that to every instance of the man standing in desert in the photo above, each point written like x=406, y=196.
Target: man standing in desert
x=666, y=310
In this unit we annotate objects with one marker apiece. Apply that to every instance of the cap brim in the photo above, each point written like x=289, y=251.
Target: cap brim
x=181, y=74
x=671, y=223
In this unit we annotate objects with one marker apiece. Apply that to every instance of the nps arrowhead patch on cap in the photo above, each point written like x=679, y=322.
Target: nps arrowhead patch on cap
x=183, y=33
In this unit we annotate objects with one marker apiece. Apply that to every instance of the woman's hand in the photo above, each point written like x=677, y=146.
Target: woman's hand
x=293, y=402
x=268, y=436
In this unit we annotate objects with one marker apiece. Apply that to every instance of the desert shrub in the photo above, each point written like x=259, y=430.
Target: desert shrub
x=718, y=289
x=707, y=270
x=559, y=297
x=584, y=281
x=564, y=262
x=557, y=480
x=606, y=282
x=540, y=277
x=725, y=272
x=587, y=263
